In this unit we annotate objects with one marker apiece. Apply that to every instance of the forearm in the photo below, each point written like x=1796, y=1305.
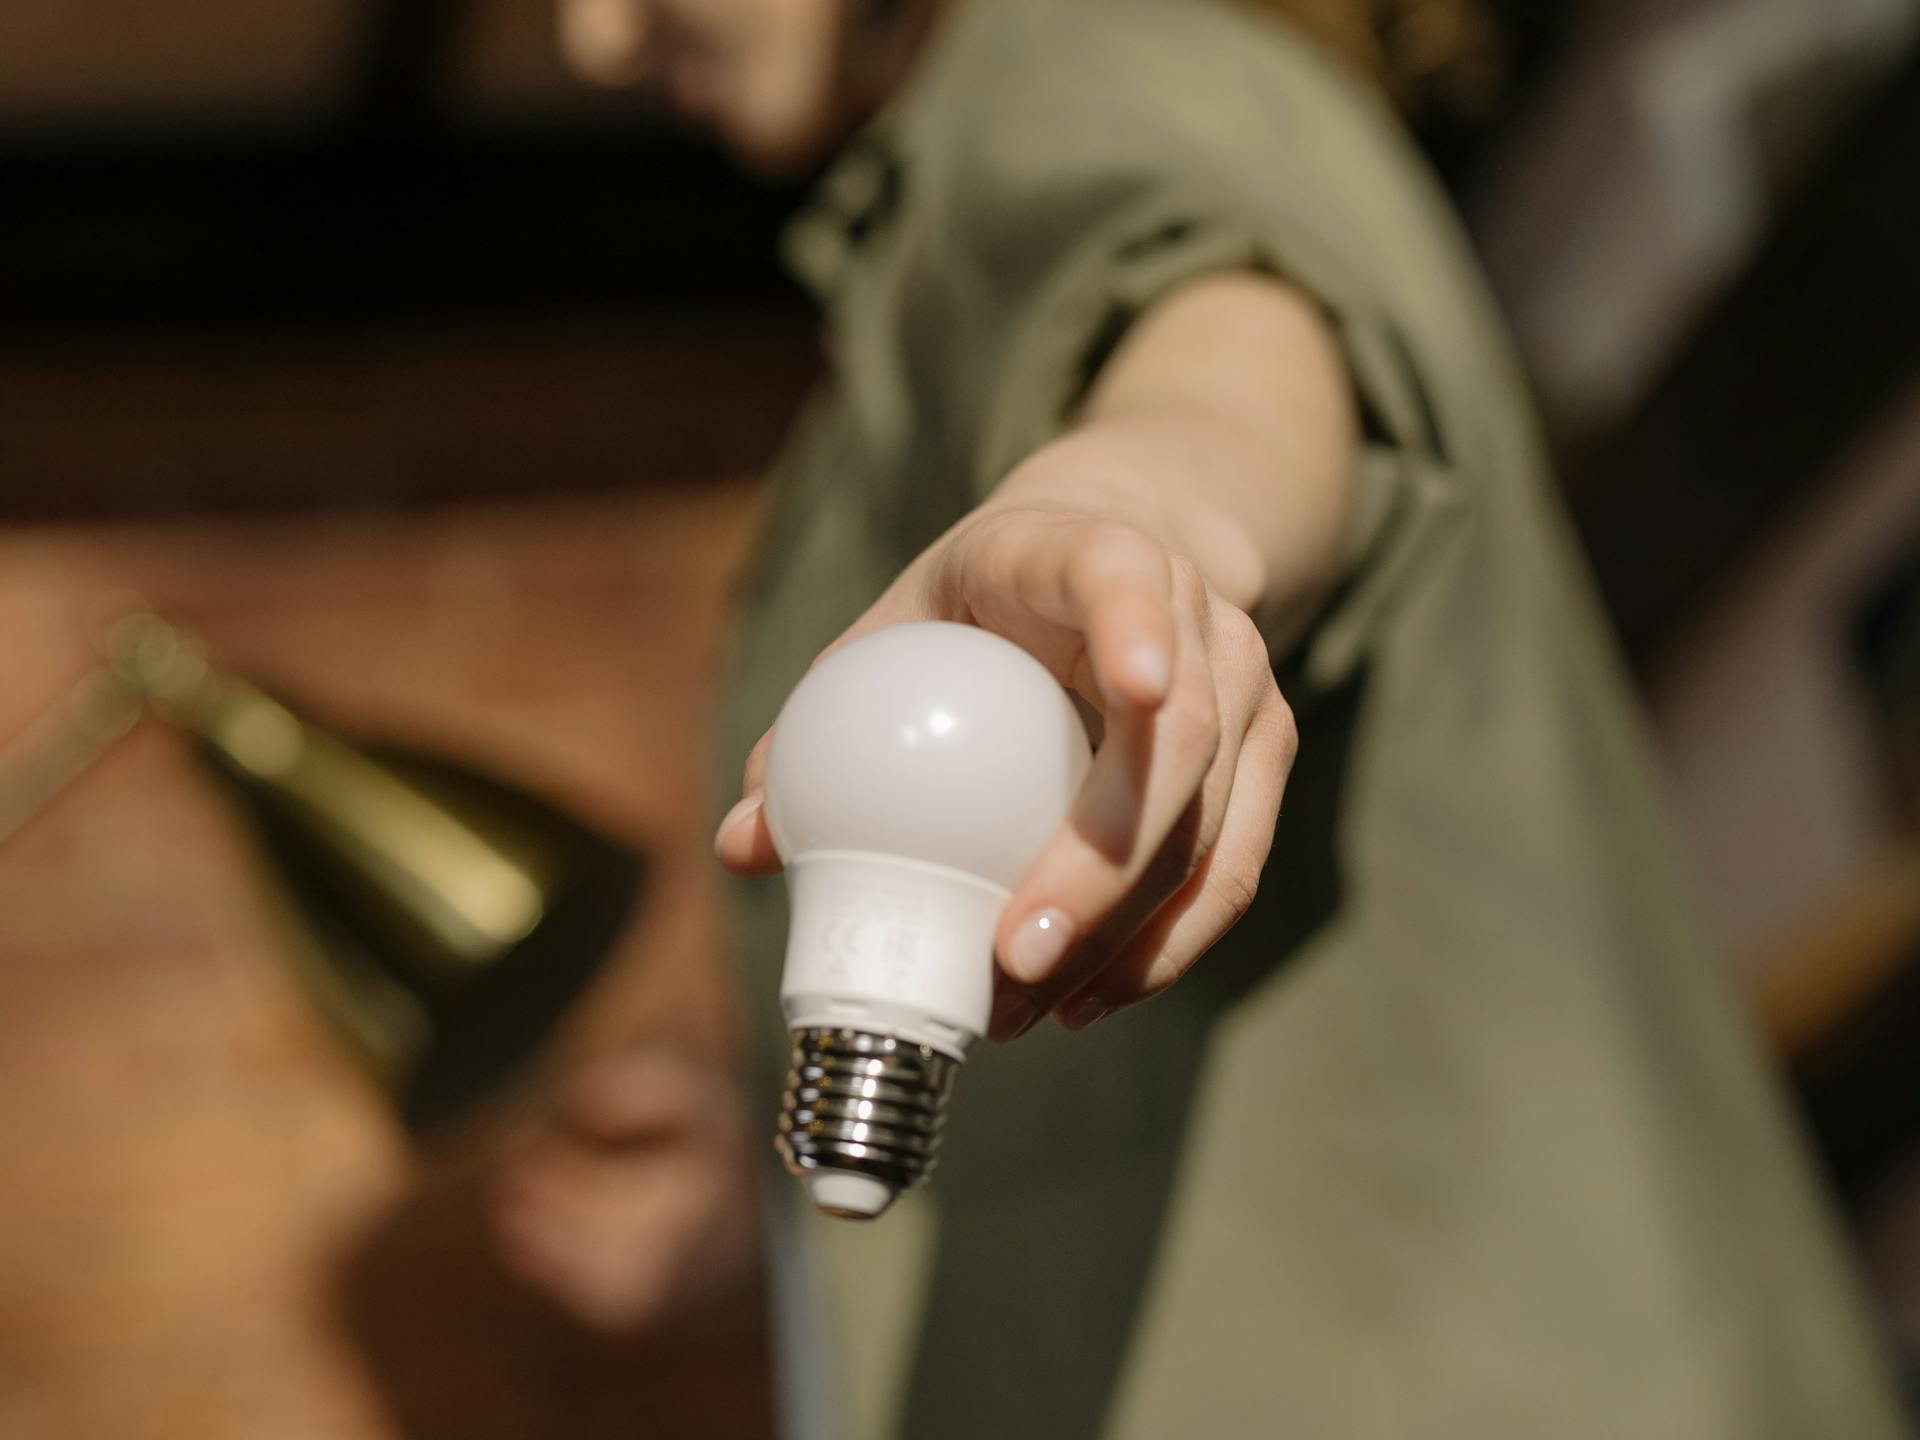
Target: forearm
x=1224, y=427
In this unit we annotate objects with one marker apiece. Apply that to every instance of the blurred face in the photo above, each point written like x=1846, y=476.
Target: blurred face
x=776, y=81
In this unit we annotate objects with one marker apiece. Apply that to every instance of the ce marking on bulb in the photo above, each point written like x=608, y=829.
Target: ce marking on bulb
x=870, y=937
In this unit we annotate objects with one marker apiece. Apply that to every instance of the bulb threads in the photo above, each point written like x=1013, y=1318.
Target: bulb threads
x=864, y=1103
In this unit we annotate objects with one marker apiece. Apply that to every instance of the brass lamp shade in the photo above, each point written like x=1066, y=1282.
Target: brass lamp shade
x=452, y=918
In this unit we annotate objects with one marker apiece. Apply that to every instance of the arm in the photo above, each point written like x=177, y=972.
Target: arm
x=1204, y=485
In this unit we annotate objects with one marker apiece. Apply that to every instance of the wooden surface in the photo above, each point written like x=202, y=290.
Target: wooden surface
x=187, y=1167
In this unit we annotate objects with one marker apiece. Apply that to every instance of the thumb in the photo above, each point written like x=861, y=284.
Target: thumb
x=744, y=841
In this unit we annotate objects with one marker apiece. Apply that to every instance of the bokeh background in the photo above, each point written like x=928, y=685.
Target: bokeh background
x=432, y=387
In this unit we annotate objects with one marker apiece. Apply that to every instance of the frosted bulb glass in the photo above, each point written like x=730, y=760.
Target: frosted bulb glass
x=913, y=778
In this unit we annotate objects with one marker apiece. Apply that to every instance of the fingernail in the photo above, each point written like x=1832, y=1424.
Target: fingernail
x=1013, y=1015
x=745, y=810
x=1151, y=666
x=1083, y=1012
x=1038, y=945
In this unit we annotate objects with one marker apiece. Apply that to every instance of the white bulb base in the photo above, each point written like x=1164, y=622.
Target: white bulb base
x=898, y=947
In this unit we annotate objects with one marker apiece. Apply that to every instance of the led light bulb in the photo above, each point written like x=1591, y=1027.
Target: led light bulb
x=913, y=778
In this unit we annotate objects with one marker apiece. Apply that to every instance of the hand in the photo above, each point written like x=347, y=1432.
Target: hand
x=635, y=1209
x=1164, y=846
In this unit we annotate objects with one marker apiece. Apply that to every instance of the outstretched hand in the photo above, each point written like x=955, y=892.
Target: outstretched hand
x=1163, y=849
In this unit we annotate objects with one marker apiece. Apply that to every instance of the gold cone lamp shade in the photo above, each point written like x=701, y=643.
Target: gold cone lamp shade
x=451, y=918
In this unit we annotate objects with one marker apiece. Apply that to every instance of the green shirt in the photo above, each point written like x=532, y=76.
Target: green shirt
x=1459, y=1133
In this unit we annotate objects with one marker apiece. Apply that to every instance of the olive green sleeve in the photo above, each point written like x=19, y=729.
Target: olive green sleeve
x=1185, y=138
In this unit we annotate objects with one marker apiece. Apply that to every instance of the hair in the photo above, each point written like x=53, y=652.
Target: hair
x=1431, y=56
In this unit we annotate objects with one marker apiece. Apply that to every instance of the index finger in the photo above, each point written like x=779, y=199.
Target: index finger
x=1106, y=585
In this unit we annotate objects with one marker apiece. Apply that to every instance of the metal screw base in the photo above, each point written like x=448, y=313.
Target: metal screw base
x=860, y=1103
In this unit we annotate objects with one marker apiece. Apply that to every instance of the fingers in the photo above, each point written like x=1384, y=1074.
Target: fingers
x=1094, y=600
x=1116, y=587
x=1217, y=895
x=1096, y=871
x=744, y=842
x=1093, y=928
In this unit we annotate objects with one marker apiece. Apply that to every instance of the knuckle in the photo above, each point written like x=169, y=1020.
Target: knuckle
x=991, y=567
x=1237, y=884
x=1241, y=634
x=1201, y=863
x=1113, y=537
x=1191, y=723
x=1188, y=581
x=1107, y=549
x=1085, y=564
